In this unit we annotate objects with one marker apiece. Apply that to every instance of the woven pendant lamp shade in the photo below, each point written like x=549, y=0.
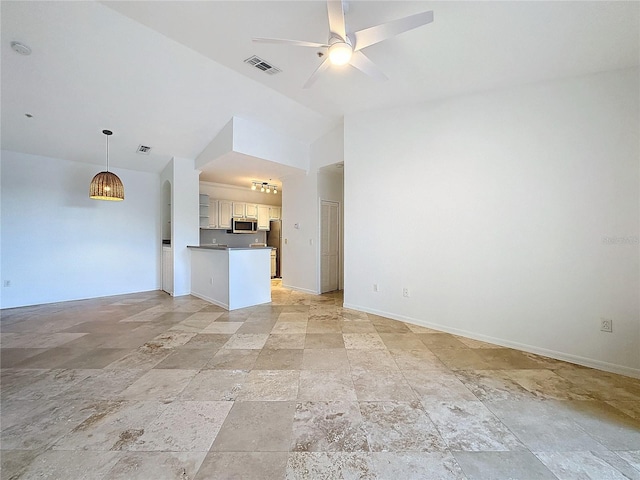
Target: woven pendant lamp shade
x=106, y=185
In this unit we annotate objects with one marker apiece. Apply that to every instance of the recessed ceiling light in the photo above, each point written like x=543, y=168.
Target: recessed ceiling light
x=21, y=48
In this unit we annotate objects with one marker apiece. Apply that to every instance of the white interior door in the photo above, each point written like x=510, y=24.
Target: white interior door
x=330, y=246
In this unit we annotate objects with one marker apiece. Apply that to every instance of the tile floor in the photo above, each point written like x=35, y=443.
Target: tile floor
x=146, y=386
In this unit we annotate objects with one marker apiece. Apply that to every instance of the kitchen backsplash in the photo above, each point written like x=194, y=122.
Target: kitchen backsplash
x=231, y=239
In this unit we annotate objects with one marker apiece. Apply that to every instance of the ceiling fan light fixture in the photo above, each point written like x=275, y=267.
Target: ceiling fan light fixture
x=340, y=53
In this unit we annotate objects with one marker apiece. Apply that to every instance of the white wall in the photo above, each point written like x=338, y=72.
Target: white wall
x=300, y=205
x=497, y=210
x=58, y=244
x=185, y=228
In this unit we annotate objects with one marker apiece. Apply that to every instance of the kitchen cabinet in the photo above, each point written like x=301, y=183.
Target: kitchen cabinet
x=204, y=210
x=225, y=213
x=239, y=209
x=263, y=217
x=274, y=213
x=251, y=210
x=213, y=213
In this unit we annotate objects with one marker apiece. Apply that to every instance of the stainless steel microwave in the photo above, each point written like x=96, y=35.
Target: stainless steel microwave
x=244, y=225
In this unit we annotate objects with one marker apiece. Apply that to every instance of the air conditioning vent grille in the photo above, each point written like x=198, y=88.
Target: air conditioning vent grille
x=263, y=65
x=143, y=149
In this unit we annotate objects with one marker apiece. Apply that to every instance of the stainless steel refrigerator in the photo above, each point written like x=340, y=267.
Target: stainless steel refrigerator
x=274, y=239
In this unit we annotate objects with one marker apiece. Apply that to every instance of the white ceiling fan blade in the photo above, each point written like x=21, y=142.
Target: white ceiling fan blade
x=373, y=35
x=360, y=61
x=335, y=9
x=314, y=76
x=297, y=43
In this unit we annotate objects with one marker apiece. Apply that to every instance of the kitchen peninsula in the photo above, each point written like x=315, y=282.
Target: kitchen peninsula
x=231, y=277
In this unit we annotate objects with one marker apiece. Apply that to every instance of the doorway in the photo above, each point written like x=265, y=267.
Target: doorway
x=329, y=246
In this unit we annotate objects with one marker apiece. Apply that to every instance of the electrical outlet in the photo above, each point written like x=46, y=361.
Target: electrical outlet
x=375, y=287
x=606, y=325
x=405, y=292
x=7, y=283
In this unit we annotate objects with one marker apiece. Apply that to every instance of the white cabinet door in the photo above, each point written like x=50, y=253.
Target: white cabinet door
x=274, y=213
x=239, y=209
x=225, y=212
x=213, y=214
x=263, y=217
x=251, y=210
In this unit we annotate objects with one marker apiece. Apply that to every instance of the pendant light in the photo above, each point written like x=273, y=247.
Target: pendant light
x=106, y=185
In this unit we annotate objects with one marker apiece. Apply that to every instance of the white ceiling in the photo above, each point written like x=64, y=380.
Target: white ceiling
x=171, y=74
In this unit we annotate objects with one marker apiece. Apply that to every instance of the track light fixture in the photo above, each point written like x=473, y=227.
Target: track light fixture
x=265, y=187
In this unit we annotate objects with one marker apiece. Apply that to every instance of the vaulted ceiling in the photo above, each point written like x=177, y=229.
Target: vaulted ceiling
x=170, y=74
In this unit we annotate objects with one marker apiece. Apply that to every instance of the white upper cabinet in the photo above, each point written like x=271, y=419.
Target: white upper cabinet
x=213, y=213
x=274, y=213
x=239, y=209
x=225, y=212
x=251, y=210
x=263, y=217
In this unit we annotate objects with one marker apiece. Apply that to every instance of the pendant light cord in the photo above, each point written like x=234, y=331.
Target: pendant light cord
x=107, y=152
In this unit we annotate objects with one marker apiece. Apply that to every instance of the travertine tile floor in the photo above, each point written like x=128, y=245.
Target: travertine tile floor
x=147, y=386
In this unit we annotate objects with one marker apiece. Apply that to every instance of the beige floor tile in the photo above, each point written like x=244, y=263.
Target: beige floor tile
x=417, y=465
x=417, y=360
x=547, y=384
x=156, y=465
x=330, y=465
x=270, y=385
x=502, y=465
x=233, y=359
x=469, y=426
x=281, y=359
x=372, y=361
x=159, y=384
x=256, y=427
x=402, y=341
x=285, y=341
x=71, y=465
x=400, y=427
x=326, y=386
x=332, y=359
x=363, y=341
x=316, y=426
x=215, y=385
x=579, y=465
x=222, y=327
x=243, y=465
x=382, y=386
x=324, y=340
x=184, y=427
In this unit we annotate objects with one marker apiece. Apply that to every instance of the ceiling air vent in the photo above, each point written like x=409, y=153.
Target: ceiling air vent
x=143, y=149
x=260, y=64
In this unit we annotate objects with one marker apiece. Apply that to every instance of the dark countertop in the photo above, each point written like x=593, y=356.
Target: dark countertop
x=220, y=247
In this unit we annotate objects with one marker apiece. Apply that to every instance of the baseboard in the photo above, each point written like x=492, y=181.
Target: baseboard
x=303, y=290
x=211, y=300
x=566, y=357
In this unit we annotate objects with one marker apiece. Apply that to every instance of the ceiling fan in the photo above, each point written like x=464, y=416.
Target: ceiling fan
x=347, y=48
